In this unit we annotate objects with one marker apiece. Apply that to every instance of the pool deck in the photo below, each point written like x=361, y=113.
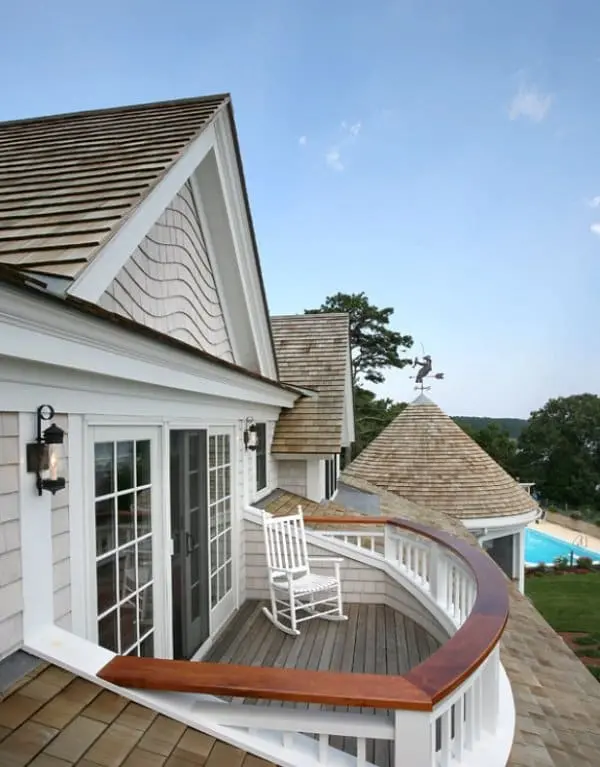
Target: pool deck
x=592, y=542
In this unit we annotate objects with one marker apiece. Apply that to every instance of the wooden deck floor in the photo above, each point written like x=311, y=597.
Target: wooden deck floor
x=376, y=639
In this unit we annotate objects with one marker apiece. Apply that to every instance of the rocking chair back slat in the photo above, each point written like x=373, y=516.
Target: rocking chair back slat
x=285, y=543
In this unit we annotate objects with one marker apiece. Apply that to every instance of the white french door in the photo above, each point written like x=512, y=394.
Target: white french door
x=126, y=525
x=221, y=527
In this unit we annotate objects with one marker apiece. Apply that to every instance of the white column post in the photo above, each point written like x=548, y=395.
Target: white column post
x=519, y=558
x=414, y=739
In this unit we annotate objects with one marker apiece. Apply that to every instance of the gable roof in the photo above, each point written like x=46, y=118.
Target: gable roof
x=313, y=352
x=68, y=181
x=423, y=455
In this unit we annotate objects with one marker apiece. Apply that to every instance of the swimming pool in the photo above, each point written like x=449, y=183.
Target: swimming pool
x=541, y=547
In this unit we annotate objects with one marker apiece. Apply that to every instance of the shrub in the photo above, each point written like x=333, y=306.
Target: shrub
x=561, y=563
x=585, y=563
x=595, y=671
x=587, y=639
x=541, y=568
x=576, y=515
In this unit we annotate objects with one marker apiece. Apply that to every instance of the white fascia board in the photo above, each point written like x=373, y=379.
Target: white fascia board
x=102, y=270
x=38, y=330
x=303, y=456
x=499, y=523
x=236, y=209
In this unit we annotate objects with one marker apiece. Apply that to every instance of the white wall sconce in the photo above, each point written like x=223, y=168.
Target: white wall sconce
x=43, y=455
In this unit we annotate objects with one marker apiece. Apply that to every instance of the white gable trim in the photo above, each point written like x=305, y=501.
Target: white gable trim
x=236, y=209
x=102, y=270
x=213, y=261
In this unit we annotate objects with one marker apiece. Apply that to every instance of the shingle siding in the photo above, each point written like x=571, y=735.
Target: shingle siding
x=11, y=590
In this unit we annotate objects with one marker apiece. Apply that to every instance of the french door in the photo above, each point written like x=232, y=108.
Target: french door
x=220, y=515
x=127, y=532
x=189, y=529
x=203, y=593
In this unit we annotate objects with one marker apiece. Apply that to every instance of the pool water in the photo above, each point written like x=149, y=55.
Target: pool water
x=541, y=547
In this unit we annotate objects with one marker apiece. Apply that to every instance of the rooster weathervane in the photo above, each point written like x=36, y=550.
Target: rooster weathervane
x=425, y=372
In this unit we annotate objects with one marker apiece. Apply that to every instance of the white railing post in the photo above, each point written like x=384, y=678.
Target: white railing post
x=389, y=544
x=490, y=688
x=437, y=575
x=414, y=739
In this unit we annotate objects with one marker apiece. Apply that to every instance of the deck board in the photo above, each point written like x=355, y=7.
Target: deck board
x=374, y=639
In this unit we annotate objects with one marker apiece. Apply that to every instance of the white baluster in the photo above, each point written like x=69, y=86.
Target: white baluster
x=445, y=722
x=459, y=728
x=323, y=748
x=361, y=752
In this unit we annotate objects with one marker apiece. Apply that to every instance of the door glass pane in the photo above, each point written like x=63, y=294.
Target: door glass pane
x=105, y=526
x=104, y=468
x=125, y=475
x=123, y=483
x=220, y=523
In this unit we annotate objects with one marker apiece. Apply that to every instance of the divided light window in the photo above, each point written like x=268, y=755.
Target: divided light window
x=261, y=456
x=124, y=577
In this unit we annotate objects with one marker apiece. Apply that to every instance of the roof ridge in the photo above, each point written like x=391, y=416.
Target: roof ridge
x=225, y=97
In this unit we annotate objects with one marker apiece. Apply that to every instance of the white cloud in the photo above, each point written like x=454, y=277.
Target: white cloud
x=302, y=140
x=333, y=156
x=595, y=229
x=334, y=160
x=594, y=202
x=531, y=103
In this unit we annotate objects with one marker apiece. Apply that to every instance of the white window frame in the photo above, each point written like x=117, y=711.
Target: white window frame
x=161, y=560
x=225, y=608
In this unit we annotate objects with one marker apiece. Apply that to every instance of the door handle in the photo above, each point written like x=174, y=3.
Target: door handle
x=189, y=543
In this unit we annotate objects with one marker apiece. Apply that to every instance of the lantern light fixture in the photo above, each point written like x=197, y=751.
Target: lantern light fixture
x=43, y=454
x=250, y=434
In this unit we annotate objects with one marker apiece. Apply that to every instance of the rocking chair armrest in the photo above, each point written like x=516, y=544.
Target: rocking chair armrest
x=335, y=560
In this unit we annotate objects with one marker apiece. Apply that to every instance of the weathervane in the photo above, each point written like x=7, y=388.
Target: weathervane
x=425, y=372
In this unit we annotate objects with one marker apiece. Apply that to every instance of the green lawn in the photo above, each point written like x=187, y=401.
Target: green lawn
x=568, y=602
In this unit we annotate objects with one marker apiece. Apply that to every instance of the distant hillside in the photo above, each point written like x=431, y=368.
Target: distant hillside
x=514, y=426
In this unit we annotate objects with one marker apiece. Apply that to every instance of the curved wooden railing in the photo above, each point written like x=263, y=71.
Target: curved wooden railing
x=460, y=656
x=425, y=688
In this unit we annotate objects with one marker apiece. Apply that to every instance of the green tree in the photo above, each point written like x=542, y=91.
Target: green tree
x=560, y=451
x=498, y=444
x=372, y=415
x=375, y=346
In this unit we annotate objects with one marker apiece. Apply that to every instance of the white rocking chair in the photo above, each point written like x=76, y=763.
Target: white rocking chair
x=300, y=591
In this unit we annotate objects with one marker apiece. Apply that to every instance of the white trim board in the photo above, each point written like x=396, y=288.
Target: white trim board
x=43, y=331
x=24, y=385
x=489, y=524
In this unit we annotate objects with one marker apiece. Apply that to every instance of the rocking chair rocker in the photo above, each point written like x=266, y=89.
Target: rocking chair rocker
x=297, y=594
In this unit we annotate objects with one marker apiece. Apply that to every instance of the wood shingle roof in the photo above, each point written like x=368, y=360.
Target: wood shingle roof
x=67, y=182
x=424, y=456
x=312, y=351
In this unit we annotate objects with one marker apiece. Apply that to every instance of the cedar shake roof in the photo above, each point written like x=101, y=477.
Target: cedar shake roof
x=312, y=352
x=424, y=456
x=52, y=718
x=67, y=182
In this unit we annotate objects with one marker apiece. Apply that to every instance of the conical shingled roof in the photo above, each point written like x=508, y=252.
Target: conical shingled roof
x=424, y=456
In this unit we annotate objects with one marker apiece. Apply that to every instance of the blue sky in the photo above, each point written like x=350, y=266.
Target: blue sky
x=440, y=155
